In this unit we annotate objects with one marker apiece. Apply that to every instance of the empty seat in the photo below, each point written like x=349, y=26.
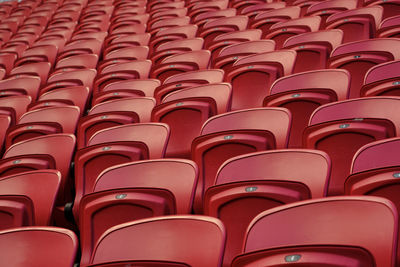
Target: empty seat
x=20, y=86
x=42, y=152
x=136, y=87
x=112, y=113
x=186, y=110
x=32, y=194
x=382, y=79
x=186, y=80
x=125, y=54
x=175, y=47
x=253, y=10
x=5, y=122
x=165, y=186
x=35, y=243
x=7, y=61
x=39, y=69
x=259, y=70
x=389, y=27
x=314, y=47
x=281, y=31
x=205, y=17
x=341, y=128
x=230, y=38
x=82, y=77
x=180, y=239
x=42, y=53
x=84, y=61
x=48, y=120
x=302, y=93
x=179, y=63
x=14, y=106
x=359, y=57
x=356, y=24
x=251, y=183
x=219, y=26
x=136, y=69
x=390, y=8
x=266, y=19
x=69, y=96
x=235, y=133
x=326, y=8
x=195, y=9
x=230, y=54
x=171, y=34
x=323, y=238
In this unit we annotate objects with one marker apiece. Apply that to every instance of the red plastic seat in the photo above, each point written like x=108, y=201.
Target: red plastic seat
x=326, y=8
x=82, y=77
x=205, y=17
x=14, y=106
x=241, y=5
x=79, y=47
x=230, y=54
x=180, y=239
x=171, y=22
x=253, y=10
x=140, y=39
x=7, y=61
x=139, y=87
x=306, y=233
x=186, y=110
x=302, y=93
x=48, y=120
x=2, y=74
x=125, y=54
x=259, y=70
x=58, y=148
x=5, y=123
x=175, y=47
x=186, y=80
x=32, y=202
x=390, y=8
x=341, y=128
x=39, y=69
x=113, y=146
x=171, y=34
x=359, y=57
x=230, y=38
x=356, y=24
x=264, y=20
x=42, y=53
x=112, y=113
x=219, y=26
x=84, y=61
x=251, y=183
x=195, y=9
x=236, y=133
x=136, y=69
x=281, y=31
x=170, y=190
x=179, y=63
x=303, y=4
x=389, y=27
x=69, y=96
x=382, y=79
x=35, y=243
x=313, y=47
x=20, y=86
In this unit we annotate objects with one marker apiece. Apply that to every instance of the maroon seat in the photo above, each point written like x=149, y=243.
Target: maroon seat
x=14, y=106
x=322, y=239
x=313, y=47
x=20, y=86
x=38, y=69
x=37, y=243
x=181, y=239
x=176, y=47
x=341, y=128
x=186, y=110
x=112, y=113
x=356, y=24
x=302, y=93
x=359, y=57
x=389, y=27
x=324, y=9
x=84, y=61
x=390, y=8
x=251, y=183
x=141, y=192
x=235, y=133
x=382, y=79
x=259, y=70
x=32, y=203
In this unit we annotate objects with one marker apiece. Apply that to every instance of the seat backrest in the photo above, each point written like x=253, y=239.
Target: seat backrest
x=38, y=241
x=282, y=226
x=140, y=105
x=183, y=239
x=260, y=70
x=178, y=176
x=382, y=79
x=154, y=135
x=275, y=120
x=31, y=184
x=279, y=165
x=375, y=155
x=20, y=86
